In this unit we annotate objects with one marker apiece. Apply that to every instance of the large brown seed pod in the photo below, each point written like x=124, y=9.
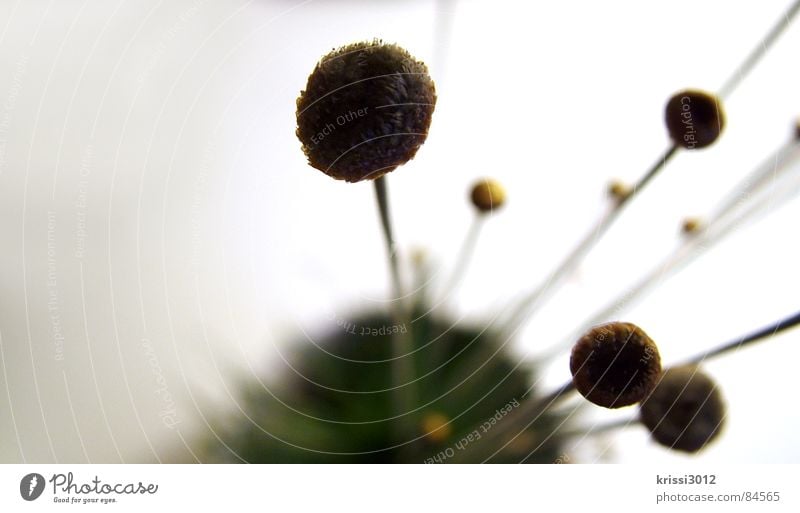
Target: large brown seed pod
x=366, y=109
x=694, y=118
x=615, y=364
x=685, y=411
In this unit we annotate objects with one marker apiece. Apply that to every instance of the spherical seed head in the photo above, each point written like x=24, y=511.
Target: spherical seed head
x=436, y=427
x=366, y=109
x=615, y=365
x=685, y=411
x=488, y=195
x=694, y=118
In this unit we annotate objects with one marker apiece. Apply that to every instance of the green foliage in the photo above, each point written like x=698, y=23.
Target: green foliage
x=334, y=400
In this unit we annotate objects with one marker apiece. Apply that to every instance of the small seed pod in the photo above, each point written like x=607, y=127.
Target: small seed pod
x=694, y=119
x=366, y=109
x=691, y=225
x=488, y=195
x=615, y=365
x=436, y=427
x=619, y=191
x=685, y=411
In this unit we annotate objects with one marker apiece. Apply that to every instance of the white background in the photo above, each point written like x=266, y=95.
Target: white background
x=167, y=128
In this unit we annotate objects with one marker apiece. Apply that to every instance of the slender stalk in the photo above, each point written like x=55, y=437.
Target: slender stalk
x=526, y=308
x=522, y=418
x=756, y=336
x=518, y=420
x=758, y=52
x=727, y=216
x=382, y=196
x=464, y=257
x=599, y=430
x=402, y=344
x=533, y=301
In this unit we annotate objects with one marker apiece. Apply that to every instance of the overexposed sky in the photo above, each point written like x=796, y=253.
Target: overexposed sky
x=163, y=233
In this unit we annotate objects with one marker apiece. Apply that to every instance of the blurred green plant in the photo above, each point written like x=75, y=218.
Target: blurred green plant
x=334, y=402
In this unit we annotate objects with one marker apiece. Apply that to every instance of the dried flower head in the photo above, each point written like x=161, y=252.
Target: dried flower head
x=366, y=109
x=685, y=411
x=488, y=195
x=694, y=118
x=615, y=365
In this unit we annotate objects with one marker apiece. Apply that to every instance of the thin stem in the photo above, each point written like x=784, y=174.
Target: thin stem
x=758, y=52
x=464, y=256
x=529, y=412
x=727, y=216
x=602, y=428
x=520, y=419
x=382, y=196
x=756, y=336
x=525, y=310
x=402, y=347
x=532, y=302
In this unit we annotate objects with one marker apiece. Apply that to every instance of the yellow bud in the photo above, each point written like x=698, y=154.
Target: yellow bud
x=436, y=427
x=488, y=195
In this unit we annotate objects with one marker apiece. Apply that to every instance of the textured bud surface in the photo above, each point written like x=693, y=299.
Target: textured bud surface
x=615, y=365
x=685, y=411
x=694, y=119
x=366, y=109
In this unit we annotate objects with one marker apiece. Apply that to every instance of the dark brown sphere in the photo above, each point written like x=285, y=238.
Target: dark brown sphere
x=615, y=365
x=685, y=411
x=694, y=118
x=488, y=195
x=366, y=109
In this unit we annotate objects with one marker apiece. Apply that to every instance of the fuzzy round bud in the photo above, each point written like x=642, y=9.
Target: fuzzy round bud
x=685, y=411
x=436, y=427
x=487, y=195
x=619, y=191
x=366, y=109
x=694, y=118
x=615, y=365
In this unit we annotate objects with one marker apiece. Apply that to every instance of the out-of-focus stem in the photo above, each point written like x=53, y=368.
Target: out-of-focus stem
x=402, y=346
x=464, y=257
x=760, y=49
x=533, y=301
x=756, y=336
